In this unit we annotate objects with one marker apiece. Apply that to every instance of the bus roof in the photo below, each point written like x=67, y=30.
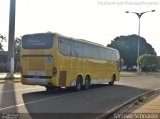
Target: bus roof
x=76, y=39
x=81, y=40
x=85, y=41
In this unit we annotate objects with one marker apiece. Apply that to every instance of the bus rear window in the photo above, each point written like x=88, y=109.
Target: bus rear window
x=37, y=41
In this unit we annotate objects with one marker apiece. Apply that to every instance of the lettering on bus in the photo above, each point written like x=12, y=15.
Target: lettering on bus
x=38, y=41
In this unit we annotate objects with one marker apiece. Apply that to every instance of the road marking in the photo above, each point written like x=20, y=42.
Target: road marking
x=19, y=90
x=31, y=102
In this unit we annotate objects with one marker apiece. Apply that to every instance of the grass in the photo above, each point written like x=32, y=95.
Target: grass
x=10, y=78
x=134, y=74
x=6, y=76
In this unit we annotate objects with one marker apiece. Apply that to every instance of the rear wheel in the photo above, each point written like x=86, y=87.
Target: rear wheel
x=78, y=83
x=111, y=83
x=50, y=88
x=87, y=83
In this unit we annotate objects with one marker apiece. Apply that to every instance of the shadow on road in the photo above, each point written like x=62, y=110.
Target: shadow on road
x=7, y=97
x=67, y=104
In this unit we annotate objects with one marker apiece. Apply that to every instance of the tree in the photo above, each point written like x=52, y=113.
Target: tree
x=2, y=38
x=18, y=42
x=148, y=61
x=127, y=46
x=17, y=45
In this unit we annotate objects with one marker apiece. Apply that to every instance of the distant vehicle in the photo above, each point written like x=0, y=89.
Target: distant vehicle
x=124, y=68
x=53, y=60
x=133, y=68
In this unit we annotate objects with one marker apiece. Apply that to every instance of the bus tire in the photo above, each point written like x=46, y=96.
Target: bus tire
x=112, y=81
x=87, y=83
x=78, y=86
x=50, y=88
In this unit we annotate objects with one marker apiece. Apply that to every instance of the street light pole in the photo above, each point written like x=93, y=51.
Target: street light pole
x=10, y=61
x=138, y=47
x=138, y=67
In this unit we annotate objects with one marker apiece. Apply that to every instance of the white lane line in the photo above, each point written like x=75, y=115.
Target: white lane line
x=22, y=104
x=20, y=90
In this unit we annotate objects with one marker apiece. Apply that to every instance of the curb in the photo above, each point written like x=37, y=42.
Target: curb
x=5, y=78
x=113, y=110
x=9, y=81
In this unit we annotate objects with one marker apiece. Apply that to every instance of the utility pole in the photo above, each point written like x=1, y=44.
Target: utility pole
x=10, y=62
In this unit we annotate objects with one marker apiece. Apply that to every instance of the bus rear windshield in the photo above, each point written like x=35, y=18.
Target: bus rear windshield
x=37, y=41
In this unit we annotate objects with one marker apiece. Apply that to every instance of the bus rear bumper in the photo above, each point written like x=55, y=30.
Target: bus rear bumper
x=34, y=81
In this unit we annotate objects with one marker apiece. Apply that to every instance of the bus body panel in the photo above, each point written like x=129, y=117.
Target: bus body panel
x=37, y=66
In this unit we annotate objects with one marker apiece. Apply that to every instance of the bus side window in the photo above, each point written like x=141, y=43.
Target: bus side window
x=114, y=56
x=81, y=49
x=78, y=49
x=102, y=53
x=74, y=49
x=119, y=61
x=96, y=52
x=88, y=51
x=64, y=46
x=108, y=56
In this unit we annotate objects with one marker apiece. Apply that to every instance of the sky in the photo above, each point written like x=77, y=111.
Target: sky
x=98, y=21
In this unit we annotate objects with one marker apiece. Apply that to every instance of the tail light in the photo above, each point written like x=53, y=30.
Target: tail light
x=54, y=71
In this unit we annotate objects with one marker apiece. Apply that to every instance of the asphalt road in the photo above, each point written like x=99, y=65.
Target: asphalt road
x=37, y=103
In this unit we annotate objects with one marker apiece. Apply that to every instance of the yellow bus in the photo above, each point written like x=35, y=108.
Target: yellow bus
x=53, y=60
